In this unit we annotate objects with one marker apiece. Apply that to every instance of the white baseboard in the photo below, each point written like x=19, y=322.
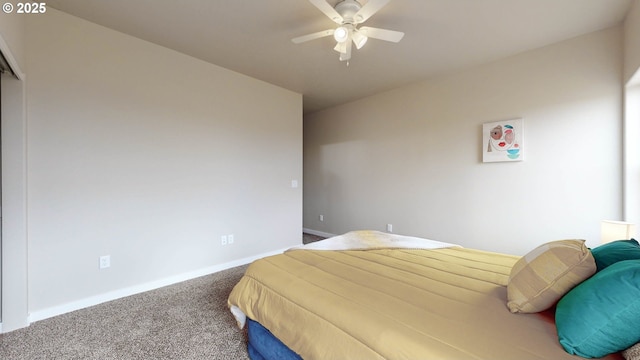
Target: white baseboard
x=137, y=289
x=318, y=233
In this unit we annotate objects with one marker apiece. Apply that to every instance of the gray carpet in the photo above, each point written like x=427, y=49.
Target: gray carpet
x=308, y=238
x=189, y=320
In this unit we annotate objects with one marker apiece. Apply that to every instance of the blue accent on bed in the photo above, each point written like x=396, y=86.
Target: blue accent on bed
x=263, y=345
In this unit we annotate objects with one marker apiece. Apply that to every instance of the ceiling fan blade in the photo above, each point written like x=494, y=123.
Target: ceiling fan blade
x=317, y=35
x=381, y=34
x=328, y=10
x=369, y=9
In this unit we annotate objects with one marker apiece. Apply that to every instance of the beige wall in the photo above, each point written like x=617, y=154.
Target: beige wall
x=632, y=155
x=632, y=114
x=632, y=43
x=12, y=30
x=411, y=157
x=149, y=156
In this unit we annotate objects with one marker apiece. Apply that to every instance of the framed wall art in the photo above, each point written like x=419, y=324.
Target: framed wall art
x=503, y=141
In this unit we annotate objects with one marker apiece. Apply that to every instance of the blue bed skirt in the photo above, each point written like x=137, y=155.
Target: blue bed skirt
x=263, y=345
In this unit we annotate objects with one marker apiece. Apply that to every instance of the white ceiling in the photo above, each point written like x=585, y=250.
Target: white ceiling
x=253, y=37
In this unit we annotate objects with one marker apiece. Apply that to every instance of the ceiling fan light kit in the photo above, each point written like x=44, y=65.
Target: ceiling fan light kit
x=341, y=34
x=358, y=39
x=348, y=14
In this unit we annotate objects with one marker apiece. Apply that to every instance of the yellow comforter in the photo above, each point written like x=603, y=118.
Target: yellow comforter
x=393, y=304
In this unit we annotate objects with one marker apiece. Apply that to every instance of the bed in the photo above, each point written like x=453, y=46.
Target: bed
x=371, y=295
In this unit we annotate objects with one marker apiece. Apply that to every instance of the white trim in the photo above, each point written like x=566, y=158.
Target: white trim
x=117, y=294
x=318, y=233
x=6, y=52
x=631, y=160
x=15, y=293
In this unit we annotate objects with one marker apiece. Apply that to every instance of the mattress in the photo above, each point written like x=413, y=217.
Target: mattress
x=446, y=303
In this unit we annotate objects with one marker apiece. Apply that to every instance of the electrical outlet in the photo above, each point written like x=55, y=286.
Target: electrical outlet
x=105, y=261
x=224, y=240
x=230, y=239
x=390, y=228
x=321, y=217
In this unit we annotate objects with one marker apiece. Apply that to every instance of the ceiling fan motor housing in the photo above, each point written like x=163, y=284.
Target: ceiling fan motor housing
x=348, y=9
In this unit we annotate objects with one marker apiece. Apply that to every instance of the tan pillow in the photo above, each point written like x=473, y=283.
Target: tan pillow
x=541, y=277
x=632, y=353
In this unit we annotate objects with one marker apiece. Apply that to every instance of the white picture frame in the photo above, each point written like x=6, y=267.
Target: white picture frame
x=503, y=141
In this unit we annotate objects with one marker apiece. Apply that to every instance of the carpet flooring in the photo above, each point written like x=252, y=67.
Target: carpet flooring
x=189, y=320
x=309, y=238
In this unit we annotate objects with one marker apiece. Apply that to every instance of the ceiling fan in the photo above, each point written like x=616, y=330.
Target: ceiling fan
x=348, y=14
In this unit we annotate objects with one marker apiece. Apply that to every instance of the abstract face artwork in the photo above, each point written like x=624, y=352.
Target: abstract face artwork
x=503, y=141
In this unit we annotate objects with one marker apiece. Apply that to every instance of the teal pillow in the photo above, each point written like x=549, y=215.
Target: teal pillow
x=612, y=252
x=601, y=315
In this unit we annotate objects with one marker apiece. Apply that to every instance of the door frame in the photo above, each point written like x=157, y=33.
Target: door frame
x=14, y=304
